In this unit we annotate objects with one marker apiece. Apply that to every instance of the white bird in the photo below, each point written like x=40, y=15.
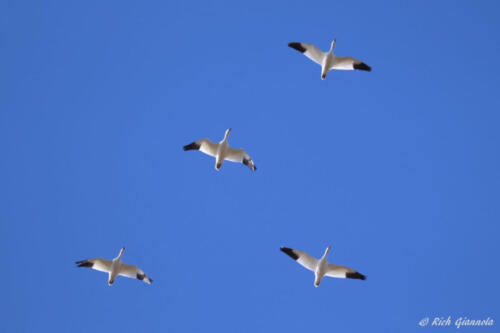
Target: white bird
x=321, y=267
x=221, y=151
x=114, y=268
x=328, y=60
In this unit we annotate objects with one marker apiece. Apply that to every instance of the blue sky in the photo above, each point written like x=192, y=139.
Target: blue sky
x=396, y=169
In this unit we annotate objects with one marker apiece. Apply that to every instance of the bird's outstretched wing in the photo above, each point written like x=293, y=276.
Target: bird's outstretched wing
x=98, y=264
x=240, y=156
x=302, y=258
x=343, y=272
x=134, y=272
x=348, y=63
x=204, y=145
x=309, y=50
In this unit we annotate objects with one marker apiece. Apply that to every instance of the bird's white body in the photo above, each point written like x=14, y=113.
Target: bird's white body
x=222, y=151
x=321, y=267
x=116, y=265
x=328, y=61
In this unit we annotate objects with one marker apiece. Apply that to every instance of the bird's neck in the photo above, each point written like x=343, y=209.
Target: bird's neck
x=331, y=48
x=119, y=258
x=325, y=255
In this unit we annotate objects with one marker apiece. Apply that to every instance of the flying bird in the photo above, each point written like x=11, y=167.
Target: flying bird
x=114, y=268
x=221, y=151
x=321, y=267
x=328, y=60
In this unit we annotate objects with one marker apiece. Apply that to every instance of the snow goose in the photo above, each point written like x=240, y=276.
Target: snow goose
x=221, y=151
x=321, y=267
x=114, y=268
x=328, y=60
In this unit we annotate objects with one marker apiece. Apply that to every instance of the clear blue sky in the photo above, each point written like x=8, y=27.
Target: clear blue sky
x=397, y=169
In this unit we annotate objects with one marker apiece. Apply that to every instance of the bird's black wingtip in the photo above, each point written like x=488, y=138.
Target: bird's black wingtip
x=290, y=252
x=355, y=275
x=297, y=46
x=191, y=146
x=363, y=67
x=249, y=164
x=84, y=263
